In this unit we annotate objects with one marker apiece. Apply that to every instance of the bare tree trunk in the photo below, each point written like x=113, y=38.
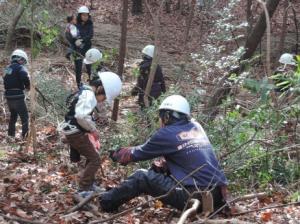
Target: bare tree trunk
x=223, y=88
x=284, y=27
x=189, y=22
x=12, y=26
x=259, y=30
x=249, y=16
x=32, y=131
x=122, y=53
x=155, y=60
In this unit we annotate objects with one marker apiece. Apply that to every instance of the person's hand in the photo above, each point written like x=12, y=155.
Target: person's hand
x=95, y=134
x=78, y=42
x=160, y=166
x=121, y=155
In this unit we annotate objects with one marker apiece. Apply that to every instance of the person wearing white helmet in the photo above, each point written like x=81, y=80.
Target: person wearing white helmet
x=80, y=129
x=93, y=57
x=283, y=72
x=83, y=42
x=16, y=80
x=183, y=147
x=158, y=86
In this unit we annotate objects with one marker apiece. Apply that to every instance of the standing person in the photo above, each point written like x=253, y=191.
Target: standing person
x=84, y=41
x=158, y=85
x=185, y=147
x=80, y=129
x=16, y=80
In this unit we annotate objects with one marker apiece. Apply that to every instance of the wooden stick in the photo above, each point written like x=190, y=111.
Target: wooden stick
x=83, y=202
x=147, y=202
x=190, y=211
x=269, y=207
x=18, y=219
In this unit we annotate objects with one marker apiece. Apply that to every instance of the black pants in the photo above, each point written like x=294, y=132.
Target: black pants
x=17, y=107
x=137, y=7
x=78, y=71
x=151, y=183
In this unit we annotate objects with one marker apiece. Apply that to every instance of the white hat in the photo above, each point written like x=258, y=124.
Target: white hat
x=91, y=56
x=176, y=103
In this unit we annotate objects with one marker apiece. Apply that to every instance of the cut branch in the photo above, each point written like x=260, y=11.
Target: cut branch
x=190, y=211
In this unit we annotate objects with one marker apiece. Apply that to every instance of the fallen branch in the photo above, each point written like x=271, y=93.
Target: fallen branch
x=249, y=196
x=190, y=211
x=82, y=202
x=222, y=221
x=147, y=202
x=18, y=219
x=241, y=198
x=269, y=207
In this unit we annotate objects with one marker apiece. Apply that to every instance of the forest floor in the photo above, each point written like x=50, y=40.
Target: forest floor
x=40, y=185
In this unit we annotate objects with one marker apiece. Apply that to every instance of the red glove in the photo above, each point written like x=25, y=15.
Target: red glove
x=95, y=134
x=122, y=156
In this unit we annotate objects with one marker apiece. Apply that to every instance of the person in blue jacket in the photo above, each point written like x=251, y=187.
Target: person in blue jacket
x=16, y=80
x=82, y=42
x=184, y=147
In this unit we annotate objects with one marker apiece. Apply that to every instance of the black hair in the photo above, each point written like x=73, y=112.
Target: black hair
x=79, y=20
x=171, y=117
x=70, y=18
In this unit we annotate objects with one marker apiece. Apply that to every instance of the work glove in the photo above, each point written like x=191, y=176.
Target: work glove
x=121, y=155
x=78, y=42
x=95, y=134
x=160, y=166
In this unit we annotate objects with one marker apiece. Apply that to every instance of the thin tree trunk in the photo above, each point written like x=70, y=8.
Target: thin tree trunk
x=155, y=60
x=249, y=16
x=284, y=27
x=189, y=22
x=223, y=88
x=259, y=30
x=12, y=26
x=122, y=53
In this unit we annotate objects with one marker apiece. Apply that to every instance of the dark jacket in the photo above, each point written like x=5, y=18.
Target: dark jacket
x=86, y=32
x=16, y=79
x=185, y=147
x=158, y=86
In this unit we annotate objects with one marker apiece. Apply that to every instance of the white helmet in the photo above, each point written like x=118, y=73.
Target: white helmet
x=112, y=85
x=20, y=53
x=83, y=9
x=149, y=50
x=287, y=59
x=92, y=55
x=176, y=103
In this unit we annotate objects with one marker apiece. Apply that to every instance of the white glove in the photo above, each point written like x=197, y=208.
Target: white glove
x=78, y=42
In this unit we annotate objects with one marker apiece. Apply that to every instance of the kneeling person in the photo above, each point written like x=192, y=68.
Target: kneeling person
x=185, y=147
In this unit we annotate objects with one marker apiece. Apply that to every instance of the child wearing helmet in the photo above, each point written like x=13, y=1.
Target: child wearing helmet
x=93, y=57
x=158, y=86
x=185, y=147
x=80, y=129
x=280, y=76
x=16, y=80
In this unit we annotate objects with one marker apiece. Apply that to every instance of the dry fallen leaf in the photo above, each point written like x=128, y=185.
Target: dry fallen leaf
x=158, y=204
x=266, y=216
